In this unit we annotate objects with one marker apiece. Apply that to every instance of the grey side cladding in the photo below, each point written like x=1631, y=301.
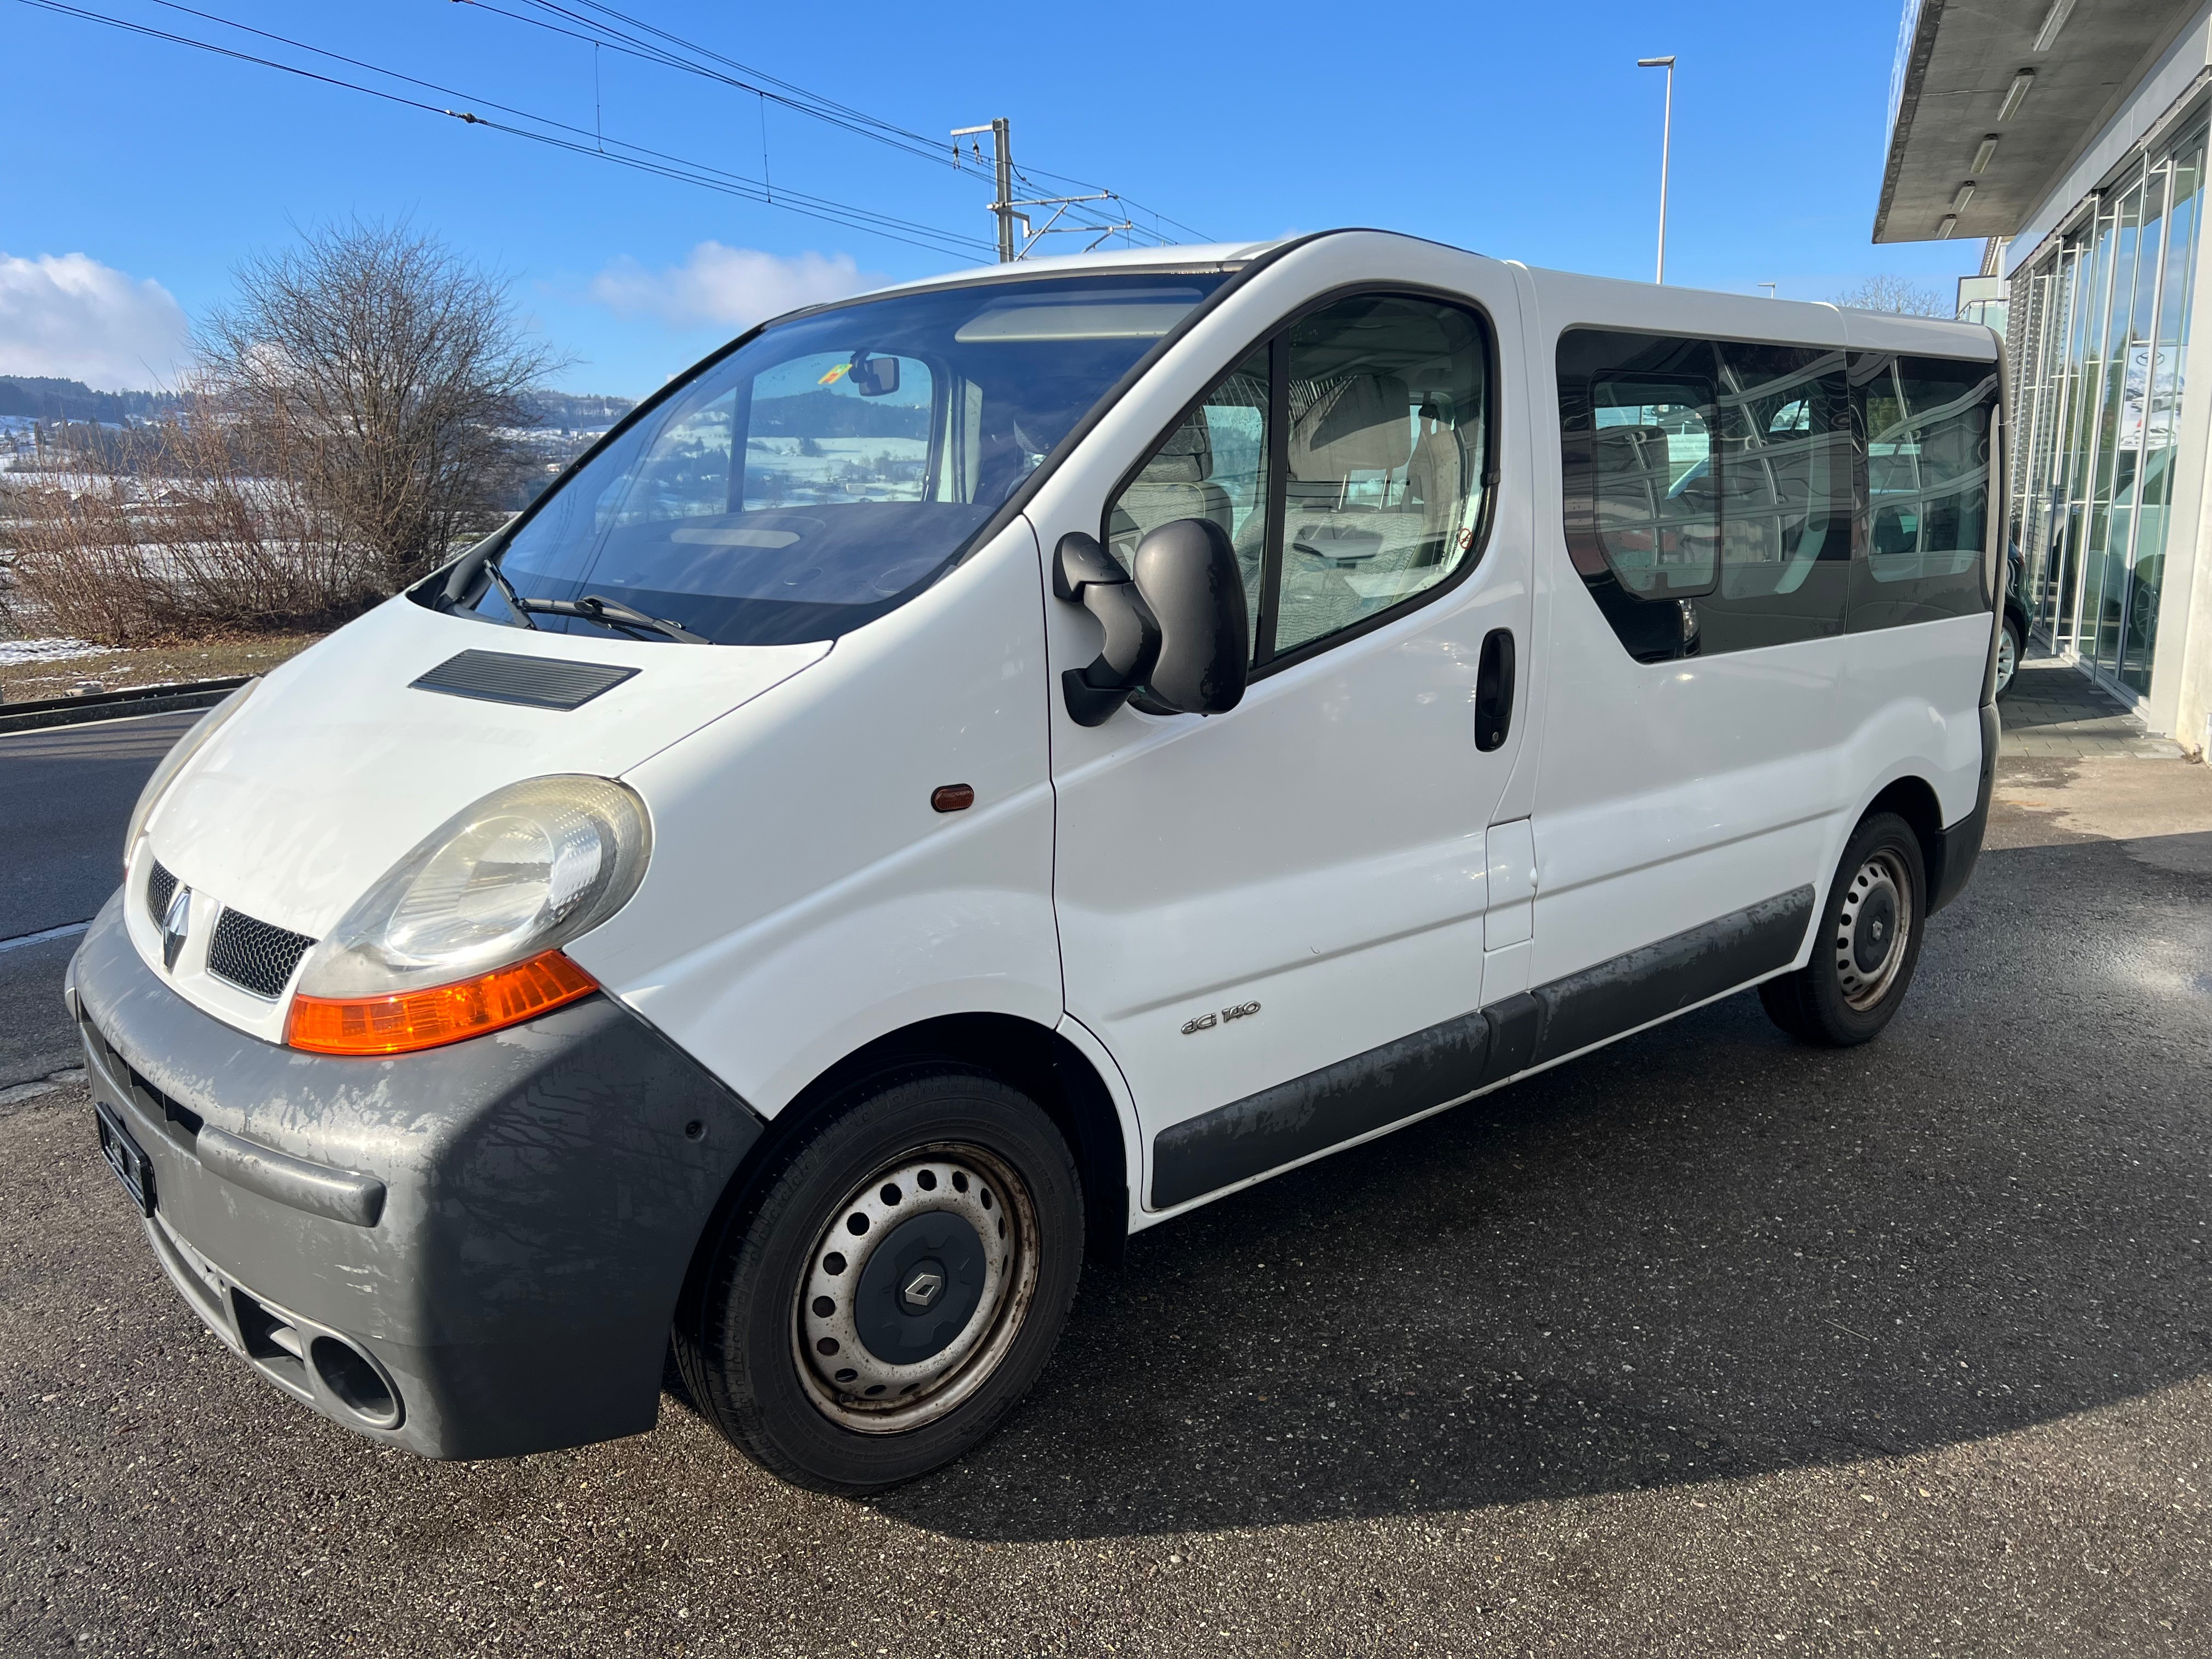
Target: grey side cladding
x=1310, y=1113
x=1447, y=1062
x=1640, y=985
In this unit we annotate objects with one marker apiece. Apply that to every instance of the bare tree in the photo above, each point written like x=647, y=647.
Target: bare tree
x=381, y=377
x=1895, y=293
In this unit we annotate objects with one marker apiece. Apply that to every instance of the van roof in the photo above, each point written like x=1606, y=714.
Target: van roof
x=1897, y=332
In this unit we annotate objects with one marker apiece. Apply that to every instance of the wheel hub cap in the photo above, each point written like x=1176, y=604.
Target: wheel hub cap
x=916, y=1285
x=1872, y=929
x=920, y=1287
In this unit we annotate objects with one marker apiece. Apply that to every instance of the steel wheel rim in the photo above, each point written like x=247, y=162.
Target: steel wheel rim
x=2007, y=658
x=1879, y=895
x=853, y=1386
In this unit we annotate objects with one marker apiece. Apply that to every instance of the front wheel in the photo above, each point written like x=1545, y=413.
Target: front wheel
x=1866, y=944
x=895, y=1289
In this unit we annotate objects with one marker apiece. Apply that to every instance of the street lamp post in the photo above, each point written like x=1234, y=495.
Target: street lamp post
x=1666, y=142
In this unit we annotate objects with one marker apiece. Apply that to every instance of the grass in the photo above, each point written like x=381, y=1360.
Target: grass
x=151, y=665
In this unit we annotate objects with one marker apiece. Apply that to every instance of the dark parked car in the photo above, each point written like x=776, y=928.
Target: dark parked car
x=2012, y=643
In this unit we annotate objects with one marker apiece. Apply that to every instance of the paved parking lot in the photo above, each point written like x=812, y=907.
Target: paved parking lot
x=1704, y=1345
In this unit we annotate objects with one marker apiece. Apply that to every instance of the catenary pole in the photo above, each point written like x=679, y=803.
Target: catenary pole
x=1666, y=144
x=1002, y=168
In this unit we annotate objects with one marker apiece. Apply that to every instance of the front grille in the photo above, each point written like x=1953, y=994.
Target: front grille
x=254, y=955
x=161, y=887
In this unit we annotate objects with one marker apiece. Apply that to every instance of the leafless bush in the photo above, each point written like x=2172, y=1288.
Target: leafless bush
x=383, y=377
x=206, y=537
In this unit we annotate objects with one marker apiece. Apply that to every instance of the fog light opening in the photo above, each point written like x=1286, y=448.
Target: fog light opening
x=354, y=1384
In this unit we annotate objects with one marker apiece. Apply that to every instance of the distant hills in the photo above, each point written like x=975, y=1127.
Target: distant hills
x=42, y=398
x=586, y=412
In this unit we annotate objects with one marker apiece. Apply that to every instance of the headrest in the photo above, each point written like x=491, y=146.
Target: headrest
x=1186, y=456
x=1362, y=424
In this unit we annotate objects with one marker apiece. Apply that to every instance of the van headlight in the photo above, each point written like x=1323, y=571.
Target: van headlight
x=463, y=934
x=181, y=754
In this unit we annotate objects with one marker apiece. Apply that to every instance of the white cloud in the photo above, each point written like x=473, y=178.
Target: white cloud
x=733, y=287
x=75, y=318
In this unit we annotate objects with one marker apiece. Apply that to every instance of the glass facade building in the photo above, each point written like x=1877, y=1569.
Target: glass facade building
x=2098, y=337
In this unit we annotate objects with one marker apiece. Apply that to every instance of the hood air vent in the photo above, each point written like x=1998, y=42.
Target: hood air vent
x=534, y=681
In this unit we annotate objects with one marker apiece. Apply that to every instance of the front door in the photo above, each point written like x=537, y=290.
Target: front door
x=1248, y=900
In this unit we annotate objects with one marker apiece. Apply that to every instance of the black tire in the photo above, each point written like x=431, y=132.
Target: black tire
x=1862, y=962
x=992, y=1162
x=2012, y=640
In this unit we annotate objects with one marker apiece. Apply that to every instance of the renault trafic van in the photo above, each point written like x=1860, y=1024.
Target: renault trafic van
x=973, y=771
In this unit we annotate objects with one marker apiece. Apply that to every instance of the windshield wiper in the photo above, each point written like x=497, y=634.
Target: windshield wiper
x=609, y=614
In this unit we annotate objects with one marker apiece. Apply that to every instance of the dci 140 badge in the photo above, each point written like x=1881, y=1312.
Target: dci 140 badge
x=1207, y=1022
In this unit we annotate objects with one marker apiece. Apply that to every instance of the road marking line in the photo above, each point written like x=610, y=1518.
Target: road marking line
x=22, y=940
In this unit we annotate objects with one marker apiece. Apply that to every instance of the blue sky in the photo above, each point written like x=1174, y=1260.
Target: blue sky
x=141, y=172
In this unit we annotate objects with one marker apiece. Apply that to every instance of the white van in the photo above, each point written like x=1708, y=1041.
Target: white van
x=974, y=771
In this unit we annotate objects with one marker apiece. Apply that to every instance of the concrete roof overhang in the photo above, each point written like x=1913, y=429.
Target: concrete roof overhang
x=1960, y=65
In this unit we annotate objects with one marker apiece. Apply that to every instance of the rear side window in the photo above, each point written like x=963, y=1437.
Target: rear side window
x=1348, y=460
x=1923, y=424
x=1725, y=495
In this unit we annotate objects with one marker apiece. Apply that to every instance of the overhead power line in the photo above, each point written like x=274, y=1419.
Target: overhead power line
x=544, y=129
x=636, y=38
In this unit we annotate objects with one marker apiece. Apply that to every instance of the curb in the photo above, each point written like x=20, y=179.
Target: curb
x=116, y=705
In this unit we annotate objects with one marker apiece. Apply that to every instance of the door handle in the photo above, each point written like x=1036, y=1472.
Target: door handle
x=1493, y=690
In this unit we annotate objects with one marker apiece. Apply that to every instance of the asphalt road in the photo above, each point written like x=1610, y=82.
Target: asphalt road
x=1704, y=1345
x=65, y=795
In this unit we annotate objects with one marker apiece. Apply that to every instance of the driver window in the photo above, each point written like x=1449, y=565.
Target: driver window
x=1213, y=465
x=1384, y=405
x=1377, y=494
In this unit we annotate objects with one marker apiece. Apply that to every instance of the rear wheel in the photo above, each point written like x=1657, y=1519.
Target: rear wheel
x=895, y=1290
x=1867, y=943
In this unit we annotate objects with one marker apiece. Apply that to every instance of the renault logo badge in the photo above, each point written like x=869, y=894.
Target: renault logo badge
x=176, y=923
x=920, y=1290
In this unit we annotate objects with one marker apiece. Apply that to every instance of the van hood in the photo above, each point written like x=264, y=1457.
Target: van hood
x=339, y=764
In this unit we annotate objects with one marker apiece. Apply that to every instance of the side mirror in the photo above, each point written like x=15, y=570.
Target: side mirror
x=1187, y=571
x=1084, y=574
x=1179, y=629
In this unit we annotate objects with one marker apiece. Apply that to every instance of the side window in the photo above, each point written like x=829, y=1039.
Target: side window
x=1640, y=472
x=1384, y=404
x=837, y=428
x=1708, y=495
x=1213, y=465
x=1658, y=496
x=1346, y=458
x=1922, y=426
x=1786, y=521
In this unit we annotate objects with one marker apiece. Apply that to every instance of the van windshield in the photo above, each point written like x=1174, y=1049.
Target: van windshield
x=823, y=474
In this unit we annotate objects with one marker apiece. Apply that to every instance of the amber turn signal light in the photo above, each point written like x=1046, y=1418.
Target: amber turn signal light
x=444, y=1013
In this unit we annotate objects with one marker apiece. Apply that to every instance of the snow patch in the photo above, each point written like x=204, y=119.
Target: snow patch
x=51, y=650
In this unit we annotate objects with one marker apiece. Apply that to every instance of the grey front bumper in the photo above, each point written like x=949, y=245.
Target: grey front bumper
x=501, y=1225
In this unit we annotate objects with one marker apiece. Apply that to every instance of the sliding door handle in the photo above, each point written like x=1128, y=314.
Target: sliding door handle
x=1493, y=690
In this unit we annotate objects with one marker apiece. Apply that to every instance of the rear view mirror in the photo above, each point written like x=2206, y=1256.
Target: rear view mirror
x=873, y=377
x=1178, y=631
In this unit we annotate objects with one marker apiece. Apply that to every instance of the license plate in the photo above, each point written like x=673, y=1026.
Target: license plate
x=123, y=1157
